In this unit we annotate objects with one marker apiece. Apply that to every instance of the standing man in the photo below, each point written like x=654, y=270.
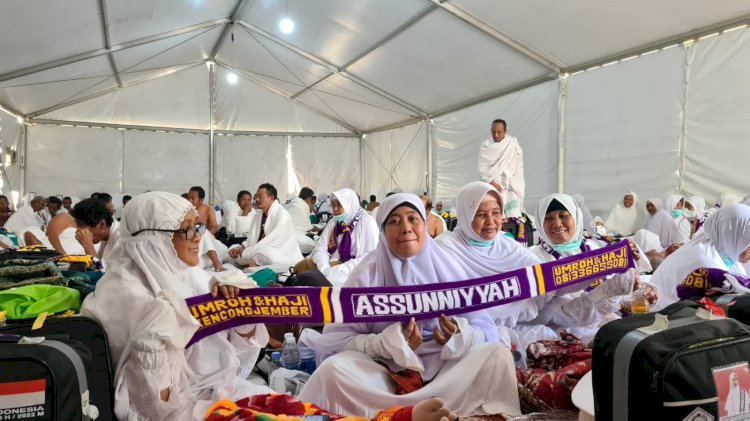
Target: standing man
x=501, y=164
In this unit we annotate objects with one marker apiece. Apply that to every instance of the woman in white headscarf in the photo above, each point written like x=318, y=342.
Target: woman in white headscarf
x=453, y=354
x=653, y=206
x=560, y=236
x=724, y=243
x=140, y=302
x=738, y=401
x=478, y=244
x=669, y=223
x=344, y=241
x=625, y=218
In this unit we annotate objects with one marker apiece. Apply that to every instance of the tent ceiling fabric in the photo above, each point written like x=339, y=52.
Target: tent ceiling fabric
x=577, y=31
x=363, y=64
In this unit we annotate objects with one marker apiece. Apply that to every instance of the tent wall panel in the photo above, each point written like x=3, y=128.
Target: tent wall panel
x=532, y=117
x=623, y=128
x=396, y=158
x=73, y=161
x=245, y=162
x=717, y=146
x=11, y=137
x=170, y=162
x=326, y=164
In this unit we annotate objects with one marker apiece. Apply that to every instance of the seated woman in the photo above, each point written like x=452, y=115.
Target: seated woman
x=626, y=216
x=724, y=244
x=458, y=356
x=345, y=241
x=670, y=224
x=653, y=205
x=140, y=302
x=479, y=246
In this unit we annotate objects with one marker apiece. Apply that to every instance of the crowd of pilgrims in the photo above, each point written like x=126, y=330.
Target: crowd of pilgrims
x=161, y=248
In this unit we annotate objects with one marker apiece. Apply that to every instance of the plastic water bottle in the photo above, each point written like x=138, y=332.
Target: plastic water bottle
x=306, y=359
x=275, y=361
x=290, y=352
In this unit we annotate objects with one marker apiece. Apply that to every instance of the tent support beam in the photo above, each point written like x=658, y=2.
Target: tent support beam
x=236, y=14
x=332, y=67
x=562, y=100
x=114, y=89
x=527, y=52
x=115, y=48
x=397, y=125
x=184, y=130
x=12, y=111
x=393, y=34
x=211, y=128
x=282, y=94
x=683, y=117
x=429, y=182
x=108, y=41
x=666, y=42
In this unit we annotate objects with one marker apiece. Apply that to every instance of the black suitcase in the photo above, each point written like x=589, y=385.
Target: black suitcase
x=666, y=374
x=91, y=335
x=44, y=379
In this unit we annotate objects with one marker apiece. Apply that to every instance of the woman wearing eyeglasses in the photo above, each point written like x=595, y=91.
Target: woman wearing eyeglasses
x=140, y=302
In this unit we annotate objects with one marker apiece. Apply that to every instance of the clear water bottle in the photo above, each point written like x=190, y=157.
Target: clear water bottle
x=290, y=352
x=275, y=361
x=306, y=359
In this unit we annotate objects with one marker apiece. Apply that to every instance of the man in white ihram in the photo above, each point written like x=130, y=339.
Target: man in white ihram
x=501, y=164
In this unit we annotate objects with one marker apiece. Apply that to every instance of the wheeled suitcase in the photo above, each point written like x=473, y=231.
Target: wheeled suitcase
x=44, y=379
x=91, y=336
x=671, y=365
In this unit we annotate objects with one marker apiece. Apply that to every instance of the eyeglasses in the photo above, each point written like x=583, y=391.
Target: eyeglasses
x=189, y=232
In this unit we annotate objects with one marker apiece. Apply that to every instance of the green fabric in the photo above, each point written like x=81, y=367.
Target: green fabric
x=30, y=301
x=264, y=276
x=10, y=235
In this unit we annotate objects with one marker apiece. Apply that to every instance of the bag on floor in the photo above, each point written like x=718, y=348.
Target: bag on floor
x=29, y=253
x=671, y=365
x=32, y=300
x=84, y=334
x=44, y=379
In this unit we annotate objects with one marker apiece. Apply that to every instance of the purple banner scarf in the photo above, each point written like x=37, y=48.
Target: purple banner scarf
x=393, y=304
x=708, y=282
x=345, y=248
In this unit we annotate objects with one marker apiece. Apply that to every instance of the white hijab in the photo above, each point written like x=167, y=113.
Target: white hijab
x=699, y=203
x=503, y=255
x=575, y=211
x=625, y=220
x=733, y=405
x=725, y=235
x=349, y=201
x=383, y=268
x=647, y=218
x=727, y=199
x=664, y=224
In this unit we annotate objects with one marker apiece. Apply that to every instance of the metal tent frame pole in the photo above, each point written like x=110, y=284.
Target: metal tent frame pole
x=688, y=48
x=211, y=128
x=561, y=103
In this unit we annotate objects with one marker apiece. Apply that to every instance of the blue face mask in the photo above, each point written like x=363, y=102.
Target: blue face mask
x=727, y=261
x=481, y=243
x=567, y=247
x=341, y=218
x=677, y=213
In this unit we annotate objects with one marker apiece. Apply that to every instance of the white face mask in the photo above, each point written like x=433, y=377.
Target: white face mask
x=688, y=213
x=601, y=230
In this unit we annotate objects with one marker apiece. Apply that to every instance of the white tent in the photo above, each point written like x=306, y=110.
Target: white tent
x=127, y=96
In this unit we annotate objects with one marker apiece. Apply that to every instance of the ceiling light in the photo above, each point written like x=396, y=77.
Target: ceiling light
x=286, y=25
x=232, y=78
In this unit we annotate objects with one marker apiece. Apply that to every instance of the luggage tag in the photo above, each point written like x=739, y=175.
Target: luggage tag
x=661, y=321
x=39, y=322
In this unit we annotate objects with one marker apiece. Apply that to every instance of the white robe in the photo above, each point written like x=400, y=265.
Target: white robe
x=625, y=220
x=24, y=218
x=502, y=162
x=279, y=245
x=300, y=213
x=365, y=238
x=351, y=382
